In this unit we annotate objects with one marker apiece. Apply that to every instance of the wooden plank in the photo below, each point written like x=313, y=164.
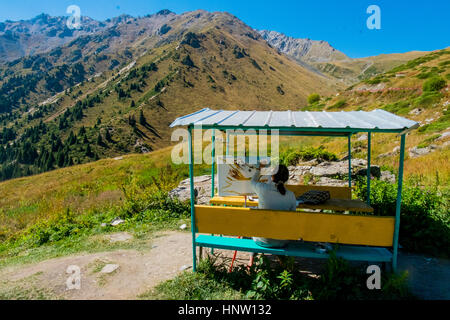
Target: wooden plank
x=288, y=225
x=232, y=201
x=335, y=192
x=332, y=204
x=305, y=250
x=340, y=205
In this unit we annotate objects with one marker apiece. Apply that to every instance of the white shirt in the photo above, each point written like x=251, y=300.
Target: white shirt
x=270, y=198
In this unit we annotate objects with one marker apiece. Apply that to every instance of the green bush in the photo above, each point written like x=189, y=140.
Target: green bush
x=313, y=98
x=424, y=221
x=339, y=105
x=434, y=84
x=291, y=157
x=269, y=279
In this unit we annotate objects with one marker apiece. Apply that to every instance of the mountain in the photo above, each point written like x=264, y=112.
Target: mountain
x=41, y=34
x=116, y=90
x=417, y=90
x=303, y=50
x=321, y=57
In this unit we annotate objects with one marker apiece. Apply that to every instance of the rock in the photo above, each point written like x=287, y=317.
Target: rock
x=395, y=151
x=120, y=237
x=202, y=190
x=363, y=138
x=185, y=267
x=325, y=181
x=444, y=136
x=427, y=121
x=387, y=176
x=417, y=152
x=332, y=169
x=118, y=158
x=110, y=268
x=104, y=225
x=183, y=227
x=117, y=222
x=375, y=171
x=416, y=112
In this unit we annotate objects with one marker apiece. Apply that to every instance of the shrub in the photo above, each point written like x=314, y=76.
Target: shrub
x=425, y=223
x=339, y=105
x=280, y=280
x=313, y=98
x=291, y=157
x=434, y=84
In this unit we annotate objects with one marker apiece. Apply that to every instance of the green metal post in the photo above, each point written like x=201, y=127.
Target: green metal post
x=213, y=154
x=350, y=160
x=399, y=203
x=369, y=167
x=191, y=176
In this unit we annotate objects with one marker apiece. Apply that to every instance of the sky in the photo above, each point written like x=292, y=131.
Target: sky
x=404, y=25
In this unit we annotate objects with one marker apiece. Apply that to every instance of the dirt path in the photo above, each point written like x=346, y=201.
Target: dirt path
x=140, y=271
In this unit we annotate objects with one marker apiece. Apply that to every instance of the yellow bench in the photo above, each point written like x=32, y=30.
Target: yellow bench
x=367, y=236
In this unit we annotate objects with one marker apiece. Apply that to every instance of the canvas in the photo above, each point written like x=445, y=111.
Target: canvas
x=234, y=178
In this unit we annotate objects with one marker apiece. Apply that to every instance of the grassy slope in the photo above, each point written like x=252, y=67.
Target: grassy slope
x=430, y=167
x=355, y=70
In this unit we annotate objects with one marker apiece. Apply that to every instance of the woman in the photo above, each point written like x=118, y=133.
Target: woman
x=274, y=196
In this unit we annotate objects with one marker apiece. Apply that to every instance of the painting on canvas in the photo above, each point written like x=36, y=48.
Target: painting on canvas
x=234, y=178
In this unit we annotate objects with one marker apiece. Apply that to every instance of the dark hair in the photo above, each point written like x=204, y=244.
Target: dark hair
x=280, y=178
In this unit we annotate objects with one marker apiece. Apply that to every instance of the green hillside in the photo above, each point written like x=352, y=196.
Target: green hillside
x=184, y=63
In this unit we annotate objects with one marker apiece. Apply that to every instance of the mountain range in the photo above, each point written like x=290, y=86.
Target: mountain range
x=110, y=88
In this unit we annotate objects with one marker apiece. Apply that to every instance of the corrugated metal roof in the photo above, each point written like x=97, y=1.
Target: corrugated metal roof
x=377, y=120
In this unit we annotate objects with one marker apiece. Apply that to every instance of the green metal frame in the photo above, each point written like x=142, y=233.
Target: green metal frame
x=303, y=132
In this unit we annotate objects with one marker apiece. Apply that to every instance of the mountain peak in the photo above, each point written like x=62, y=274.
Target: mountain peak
x=164, y=12
x=302, y=50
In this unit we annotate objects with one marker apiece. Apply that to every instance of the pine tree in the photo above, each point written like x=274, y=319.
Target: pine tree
x=142, y=119
x=99, y=140
x=88, y=152
x=107, y=135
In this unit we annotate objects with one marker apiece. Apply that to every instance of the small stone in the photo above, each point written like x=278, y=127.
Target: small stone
x=362, y=138
x=110, y=268
x=415, y=112
x=185, y=267
x=117, y=221
x=118, y=158
x=120, y=237
x=183, y=227
x=445, y=135
x=103, y=225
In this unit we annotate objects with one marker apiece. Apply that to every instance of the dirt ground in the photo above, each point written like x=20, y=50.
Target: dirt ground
x=170, y=254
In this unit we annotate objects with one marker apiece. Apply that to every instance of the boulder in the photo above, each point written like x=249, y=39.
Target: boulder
x=110, y=268
x=416, y=152
x=375, y=171
x=202, y=190
x=387, y=176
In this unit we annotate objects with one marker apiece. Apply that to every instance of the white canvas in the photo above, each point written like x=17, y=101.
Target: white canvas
x=234, y=179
